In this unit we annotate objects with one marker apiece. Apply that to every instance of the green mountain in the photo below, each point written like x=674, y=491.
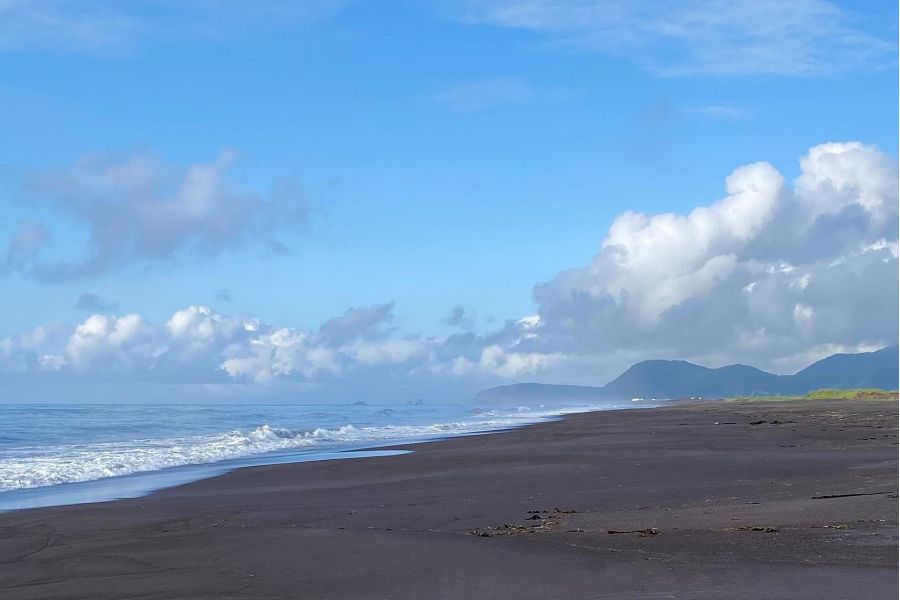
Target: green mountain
x=678, y=378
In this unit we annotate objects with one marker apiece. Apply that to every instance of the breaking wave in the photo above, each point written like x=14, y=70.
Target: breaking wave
x=53, y=465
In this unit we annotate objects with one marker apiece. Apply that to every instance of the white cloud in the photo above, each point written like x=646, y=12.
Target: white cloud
x=529, y=322
x=200, y=327
x=52, y=362
x=281, y=353
x=652, y=263
x=198, y=344
x=801, y=37
x=138, y=209
x=112, y=342
x=838, y=175
x=499, y=361
x=357, y=340
x=881, y=244
x=760, y=276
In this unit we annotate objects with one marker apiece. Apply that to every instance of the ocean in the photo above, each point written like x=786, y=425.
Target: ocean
x=52, y=454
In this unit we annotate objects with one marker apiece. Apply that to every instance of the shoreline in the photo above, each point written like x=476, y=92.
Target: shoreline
x=705, y=500
x=142, y=483
x=146, y=483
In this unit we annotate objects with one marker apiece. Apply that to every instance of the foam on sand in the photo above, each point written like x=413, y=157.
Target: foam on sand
x=60, y=464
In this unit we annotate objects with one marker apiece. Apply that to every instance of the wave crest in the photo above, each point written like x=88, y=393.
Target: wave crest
x=62, y=464
x=87, y=462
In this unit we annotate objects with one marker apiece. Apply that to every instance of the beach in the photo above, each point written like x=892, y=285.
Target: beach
x=712, y=500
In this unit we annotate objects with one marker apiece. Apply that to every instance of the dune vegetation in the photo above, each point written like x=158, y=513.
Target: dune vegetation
x=826, y=394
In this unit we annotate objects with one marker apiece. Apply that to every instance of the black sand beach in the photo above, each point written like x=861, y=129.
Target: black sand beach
x=780, y=500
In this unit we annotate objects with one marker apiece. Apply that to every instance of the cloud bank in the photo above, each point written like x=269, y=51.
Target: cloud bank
x=774, y=274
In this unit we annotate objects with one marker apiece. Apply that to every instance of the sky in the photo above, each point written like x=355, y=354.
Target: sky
x=398, y=199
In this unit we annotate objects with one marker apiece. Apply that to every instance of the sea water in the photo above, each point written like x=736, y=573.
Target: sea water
x=54, y=454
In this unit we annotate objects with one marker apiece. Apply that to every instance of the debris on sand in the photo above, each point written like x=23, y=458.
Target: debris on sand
x=650, y=531
x=830, y=496
x=549, y=521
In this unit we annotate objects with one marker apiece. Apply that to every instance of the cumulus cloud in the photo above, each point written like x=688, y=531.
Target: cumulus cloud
x=652, y=263
x=359, y=339
x=759, y=276
x=837, y=176
x=109, y=342
x=802, y=37
x=200, y=345
x=138, y=209
x=198, y=328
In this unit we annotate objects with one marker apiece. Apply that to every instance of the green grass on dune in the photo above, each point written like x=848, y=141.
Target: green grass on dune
x=856, y=394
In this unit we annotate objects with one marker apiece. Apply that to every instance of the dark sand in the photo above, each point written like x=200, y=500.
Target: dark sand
x=802, y=504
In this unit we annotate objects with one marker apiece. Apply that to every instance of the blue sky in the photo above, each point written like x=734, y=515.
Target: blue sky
x=443, y=154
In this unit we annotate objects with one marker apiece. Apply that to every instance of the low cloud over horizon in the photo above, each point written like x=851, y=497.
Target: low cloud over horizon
x=773, y=274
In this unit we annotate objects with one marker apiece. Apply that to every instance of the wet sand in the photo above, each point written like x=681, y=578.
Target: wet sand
x=782, y=500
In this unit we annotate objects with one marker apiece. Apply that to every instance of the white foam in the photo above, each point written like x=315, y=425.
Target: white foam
x=69, y=464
